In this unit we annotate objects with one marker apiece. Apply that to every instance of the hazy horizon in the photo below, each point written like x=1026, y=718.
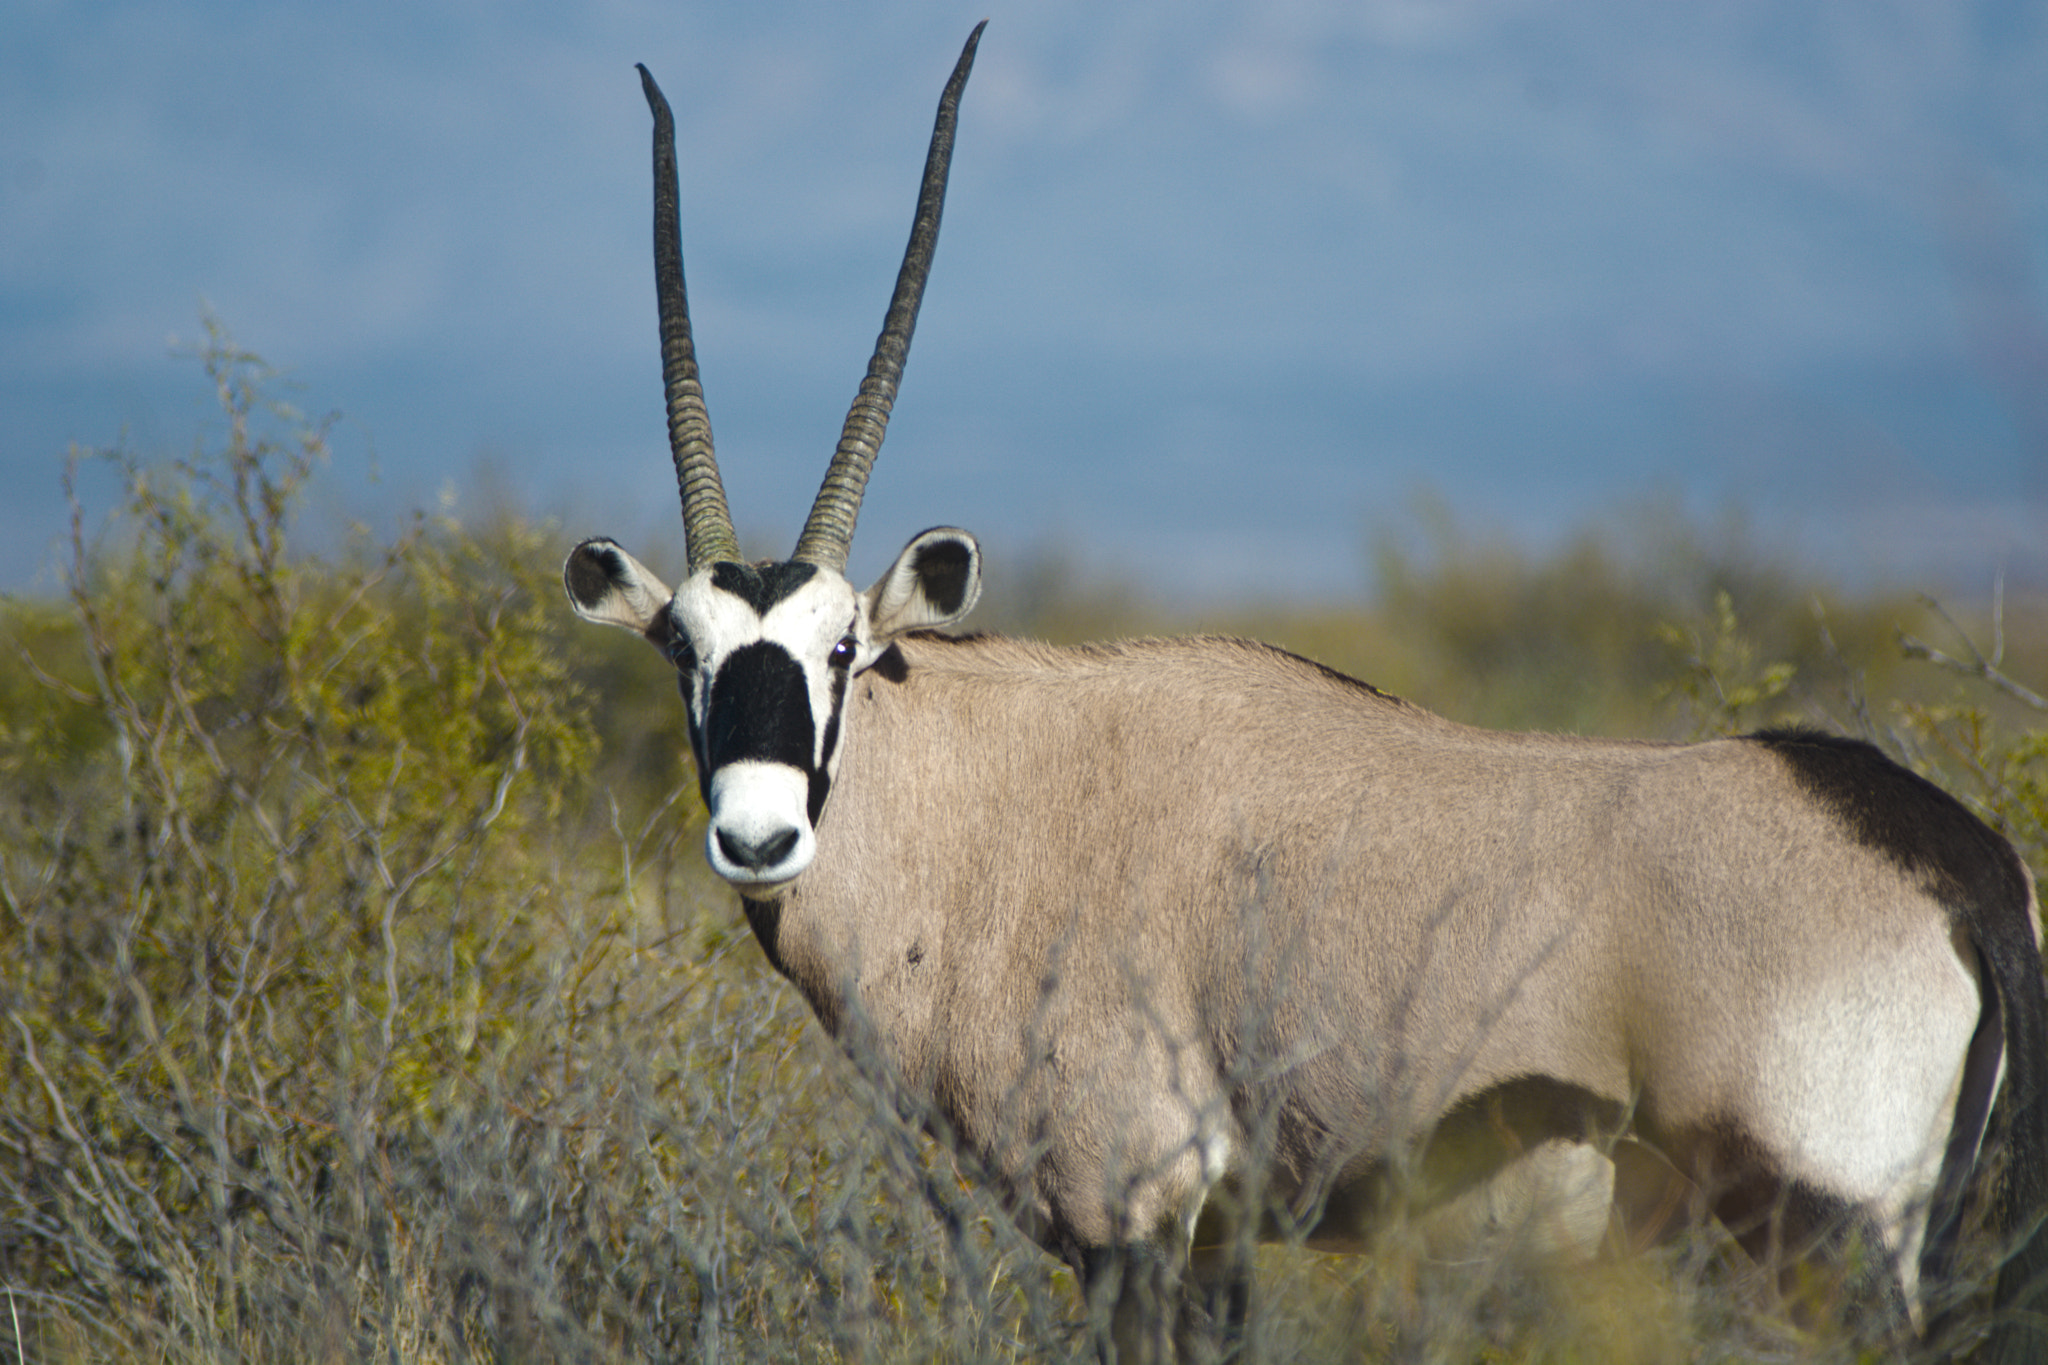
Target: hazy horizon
x=1222, y=288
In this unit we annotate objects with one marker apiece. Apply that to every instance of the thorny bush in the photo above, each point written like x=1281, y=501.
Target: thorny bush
x=365, y=997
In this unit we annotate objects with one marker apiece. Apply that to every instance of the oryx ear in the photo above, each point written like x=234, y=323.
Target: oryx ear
x=610, y=587
x=934, y=582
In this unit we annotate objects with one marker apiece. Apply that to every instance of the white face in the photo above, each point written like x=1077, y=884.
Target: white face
x=764, y=655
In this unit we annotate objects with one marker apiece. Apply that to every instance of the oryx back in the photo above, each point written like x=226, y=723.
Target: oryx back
x=1183, y=938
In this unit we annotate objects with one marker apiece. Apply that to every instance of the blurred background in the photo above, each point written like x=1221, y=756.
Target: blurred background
x=1230, y=297
x=1602, y=367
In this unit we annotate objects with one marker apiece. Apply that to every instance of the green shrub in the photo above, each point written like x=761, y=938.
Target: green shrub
x=358, y=1005
x=366, y=997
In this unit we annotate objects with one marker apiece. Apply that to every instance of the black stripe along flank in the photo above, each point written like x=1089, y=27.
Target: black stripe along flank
x=1919, y=827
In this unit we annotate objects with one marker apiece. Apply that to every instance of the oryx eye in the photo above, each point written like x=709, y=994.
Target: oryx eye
x=843, y=652
x=681, y=654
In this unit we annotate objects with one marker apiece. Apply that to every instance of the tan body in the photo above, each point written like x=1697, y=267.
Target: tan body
x=1191, y=938
x=1132, y=916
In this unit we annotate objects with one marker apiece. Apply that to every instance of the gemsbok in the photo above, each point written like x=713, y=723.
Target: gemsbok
x=1191, y=941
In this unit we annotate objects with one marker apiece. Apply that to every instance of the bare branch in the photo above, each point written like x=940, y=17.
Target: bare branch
x=1976, y=664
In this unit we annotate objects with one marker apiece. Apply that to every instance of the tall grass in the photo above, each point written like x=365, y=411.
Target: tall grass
x=358, y=1006
x=366, y=999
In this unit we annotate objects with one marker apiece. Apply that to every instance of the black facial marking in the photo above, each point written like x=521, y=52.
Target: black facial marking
x=821, y=776
x=941, y=568
x=696, y=732
x=684, y=657
x=761, y=586
x=760, y=709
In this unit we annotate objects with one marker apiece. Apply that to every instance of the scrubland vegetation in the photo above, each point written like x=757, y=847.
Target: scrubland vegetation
x=366, y=997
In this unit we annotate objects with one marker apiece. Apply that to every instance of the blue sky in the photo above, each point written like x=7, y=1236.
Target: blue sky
x=1223, y=287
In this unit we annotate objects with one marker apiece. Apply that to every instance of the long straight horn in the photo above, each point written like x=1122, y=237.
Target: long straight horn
x=707, y=525
x=828, y=534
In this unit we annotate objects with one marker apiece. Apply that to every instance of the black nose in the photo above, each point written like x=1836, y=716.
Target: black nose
x=754, y=856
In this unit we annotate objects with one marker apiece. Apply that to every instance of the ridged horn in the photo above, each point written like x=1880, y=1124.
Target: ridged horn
x=828, y=533
x=707, y=524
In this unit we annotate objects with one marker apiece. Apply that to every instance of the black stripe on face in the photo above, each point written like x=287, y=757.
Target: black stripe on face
x=696, y=736
x=821, y=776
x=760, y=708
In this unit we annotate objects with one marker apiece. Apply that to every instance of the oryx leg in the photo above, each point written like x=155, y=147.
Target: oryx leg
x=1815, y=1113
x=1146, y=1139
x=1551, y=1203
x=1152, y=1296
x=1523, y=1170
x=1133, y=1297
x=1832, y=1261
x=1835, y=1157
x=1215, y=1303
x=1150, y=1304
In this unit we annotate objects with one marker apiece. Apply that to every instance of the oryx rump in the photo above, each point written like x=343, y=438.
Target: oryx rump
x=1176, y=934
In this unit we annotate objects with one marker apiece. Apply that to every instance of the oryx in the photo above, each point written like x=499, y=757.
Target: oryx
x=1172, y=934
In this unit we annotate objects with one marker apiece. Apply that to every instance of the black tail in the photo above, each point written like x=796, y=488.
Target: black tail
x=2019, y=1334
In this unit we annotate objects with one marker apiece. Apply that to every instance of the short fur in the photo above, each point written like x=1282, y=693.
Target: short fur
x=1184, y=938
x=1134, y=917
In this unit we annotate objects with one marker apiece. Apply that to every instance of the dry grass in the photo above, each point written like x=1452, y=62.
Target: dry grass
x=365, y=997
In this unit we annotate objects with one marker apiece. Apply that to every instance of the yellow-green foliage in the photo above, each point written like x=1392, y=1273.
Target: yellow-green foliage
x=280, y=770
x=254, y=854
x=1987, y=731
x=356, y=1007
x=366, y=998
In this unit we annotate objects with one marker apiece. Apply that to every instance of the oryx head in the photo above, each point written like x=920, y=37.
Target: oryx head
x=764, y=652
